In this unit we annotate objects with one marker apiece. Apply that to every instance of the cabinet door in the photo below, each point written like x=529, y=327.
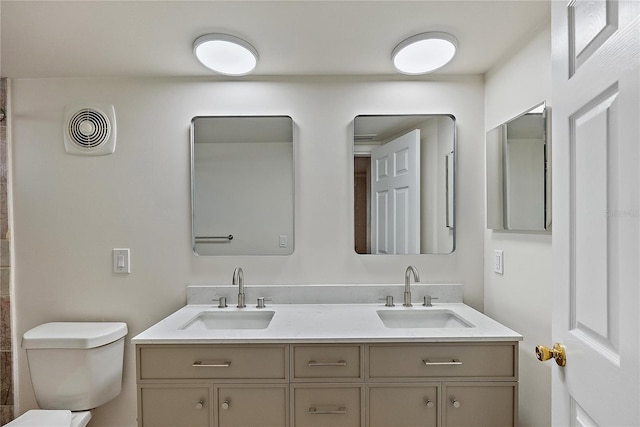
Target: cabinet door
x=479, y=404
x=175, y=405
x=324, y=406
x=251, y=406
x=403, y=406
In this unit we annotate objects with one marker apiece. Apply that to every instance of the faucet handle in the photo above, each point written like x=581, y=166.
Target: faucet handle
x=427, y=300
x=222, y=302
x=388, y=301
x=261, y=300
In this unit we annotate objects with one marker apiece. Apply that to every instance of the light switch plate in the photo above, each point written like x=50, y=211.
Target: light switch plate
x=121, y=260
x=498, y=261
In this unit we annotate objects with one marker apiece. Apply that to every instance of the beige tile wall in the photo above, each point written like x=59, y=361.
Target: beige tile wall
x=6, y=360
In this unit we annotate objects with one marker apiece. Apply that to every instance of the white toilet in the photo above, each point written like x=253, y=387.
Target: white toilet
x=75, y=367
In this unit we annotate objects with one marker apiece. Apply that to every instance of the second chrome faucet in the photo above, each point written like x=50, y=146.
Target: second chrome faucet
x=407, y=284
x=238, y=280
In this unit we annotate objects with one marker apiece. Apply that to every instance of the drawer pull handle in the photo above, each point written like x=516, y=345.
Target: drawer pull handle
x=339, y=411
x=429, y=403
x=200, y=404
x=450, y=362
x=455, y=403
x=225, y=405
x=338, y=363
x=212, y=364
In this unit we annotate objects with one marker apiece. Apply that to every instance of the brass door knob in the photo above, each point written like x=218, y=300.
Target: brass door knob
x=557, y=352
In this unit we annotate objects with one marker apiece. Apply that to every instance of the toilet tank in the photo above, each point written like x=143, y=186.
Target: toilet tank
x=75, y=365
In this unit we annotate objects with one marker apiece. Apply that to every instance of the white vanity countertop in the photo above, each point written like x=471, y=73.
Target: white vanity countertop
x=324, y=323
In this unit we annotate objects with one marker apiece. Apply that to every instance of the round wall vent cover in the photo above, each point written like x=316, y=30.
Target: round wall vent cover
x=90, y=130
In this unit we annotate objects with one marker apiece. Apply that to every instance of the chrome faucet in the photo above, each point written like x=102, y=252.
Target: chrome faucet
x=238, y=279
x=407, y=284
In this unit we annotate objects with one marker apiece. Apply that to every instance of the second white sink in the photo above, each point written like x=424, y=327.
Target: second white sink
x=422, y=319
x=230, y=320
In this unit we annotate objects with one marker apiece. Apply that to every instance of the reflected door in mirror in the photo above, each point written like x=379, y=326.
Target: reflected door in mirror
x=404, y=191
x=395, y=190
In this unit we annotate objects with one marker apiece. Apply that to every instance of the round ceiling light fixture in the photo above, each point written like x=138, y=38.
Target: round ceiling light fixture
x=424, y=53
x=225, y=54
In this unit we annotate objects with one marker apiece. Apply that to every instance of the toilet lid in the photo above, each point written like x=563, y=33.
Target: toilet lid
x=39, y=418
x=81, y=335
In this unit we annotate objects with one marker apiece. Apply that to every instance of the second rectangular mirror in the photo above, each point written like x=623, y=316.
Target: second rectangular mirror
x=404, y=184
x=518, y=181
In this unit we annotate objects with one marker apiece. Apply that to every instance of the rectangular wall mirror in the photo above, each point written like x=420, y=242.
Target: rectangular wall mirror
x=518, y=176
x=242, y=185
x=404, y=184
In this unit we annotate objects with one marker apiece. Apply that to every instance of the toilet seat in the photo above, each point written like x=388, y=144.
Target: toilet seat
x=80, y=419
x=51, y=418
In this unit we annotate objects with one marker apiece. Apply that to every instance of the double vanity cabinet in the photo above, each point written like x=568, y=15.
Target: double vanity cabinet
x=322, y=385
x=327, y=366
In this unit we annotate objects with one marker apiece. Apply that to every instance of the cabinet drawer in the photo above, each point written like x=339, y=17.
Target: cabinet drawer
x=171, y=406
x=335, y=406
x=442, y=361
x=323, y=362
x=249, y=405
x=213, y=362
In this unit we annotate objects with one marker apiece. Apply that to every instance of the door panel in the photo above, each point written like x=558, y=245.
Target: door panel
x=594, y=317
x=380, y=239
x=395, y=190
x=591, y=24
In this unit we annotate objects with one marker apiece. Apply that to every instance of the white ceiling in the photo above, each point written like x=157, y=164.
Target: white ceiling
x=154, y=38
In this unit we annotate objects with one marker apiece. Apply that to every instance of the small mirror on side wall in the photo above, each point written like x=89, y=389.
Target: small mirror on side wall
x=518, y=173
x=242, y=185
x=404, y=184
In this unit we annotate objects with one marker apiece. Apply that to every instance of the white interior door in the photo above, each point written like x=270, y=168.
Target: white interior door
x=596, y=233
x=395, y=196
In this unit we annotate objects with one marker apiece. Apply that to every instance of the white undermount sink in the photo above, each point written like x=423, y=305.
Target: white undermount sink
x=229, y=320
x=436, y=318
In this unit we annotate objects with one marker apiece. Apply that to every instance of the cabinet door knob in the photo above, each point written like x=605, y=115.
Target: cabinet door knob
x=429, y=403
x=225, y=404
x=455, y=403
x=200, y=404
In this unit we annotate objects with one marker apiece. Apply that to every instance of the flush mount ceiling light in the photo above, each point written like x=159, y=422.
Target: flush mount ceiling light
x=424, y=53
x=225, y=54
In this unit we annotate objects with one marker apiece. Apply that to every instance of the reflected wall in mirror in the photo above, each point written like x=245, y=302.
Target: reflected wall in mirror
x=518, y=176
x=404, y=184
x=242, y=185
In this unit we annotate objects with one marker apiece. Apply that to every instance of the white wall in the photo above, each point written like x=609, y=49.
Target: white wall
x=521, y=298
x=435, y=139
x=71, y=211
x=255, y=181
